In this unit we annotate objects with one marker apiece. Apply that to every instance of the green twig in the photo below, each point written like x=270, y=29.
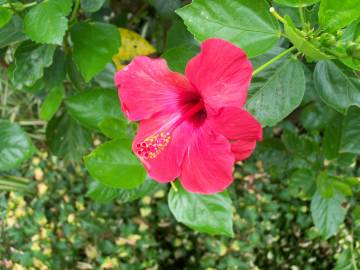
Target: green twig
x=281, y=55
x=302, y=17
x=174, y=186
x=75, y=11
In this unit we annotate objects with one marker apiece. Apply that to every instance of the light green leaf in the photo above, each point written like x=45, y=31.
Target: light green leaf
x=5, y=16
x=335, y=14
x=114, y=165
x=230, y=20
x=91, y=107
x=67, y=139
x=15, y=145
x=297, y=3
x=52, y=103
x=328, y=213
x=46, y=22
x=210, y=214
x=91, y=5
x=30, y=61
x=337, y=86
x=279, y=94
x=94, y=46
x=345, y=260
x=325, y=185
x=301, y=43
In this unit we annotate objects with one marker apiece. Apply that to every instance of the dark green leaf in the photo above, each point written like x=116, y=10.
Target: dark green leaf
x=52, y=103
x=55, y=74
x=335, y=14
x=230, y=20
x=30, y=60
x=297, y=3
x=328, y=213
x=91, y=5
x=178, y=57
x=210, y=214
x=332, y=137
x=316, y=116
x=15, y=146
x=337, y=86
x=67, y=139
x=279, y=95
x=178, y=36
x=350, y=135
x=12, y=33
x=47, y=22
x=114, y=165
x=91, y=107
x=165, y=8
x=114, y=128
x=94, y=46
x=101, y=193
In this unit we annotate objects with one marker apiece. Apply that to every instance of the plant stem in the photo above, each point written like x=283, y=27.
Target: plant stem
x=75, y=10
x=302, y=17
x=281, y=55
x=277, y=15
x=174, y=186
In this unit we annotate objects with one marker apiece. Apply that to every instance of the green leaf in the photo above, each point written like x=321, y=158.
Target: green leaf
x=328, y=213
x=332, y=137
x=350, y=139
x=325, y=185
x=114, y=128
x=12, y=33
x=91, y=107
x=94, y=46
x=316, y=116
x=301, y=146
x=52, y=103
x=55, y=74
x=335, y=14
x=30, y=61
x=5, y=16
x=114, y=165
x=230, y=20
x=165, y=8
x=179, y=36
x=297, y=3
x=210, y=214
x=15, y=145
x=344, y=261
x=301, y=43
x=11, y=183
x=343, y=187
x=101, y=193
x=178, y=57
x=46, y=22
x=337, y=86
x=67, y=139
x=91, y=5
x=279, y=95
x=304, y=180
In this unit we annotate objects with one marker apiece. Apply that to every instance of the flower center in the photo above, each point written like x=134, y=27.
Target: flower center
x=192, y=109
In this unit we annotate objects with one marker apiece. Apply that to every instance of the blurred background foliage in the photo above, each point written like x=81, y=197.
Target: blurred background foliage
x=55, y=216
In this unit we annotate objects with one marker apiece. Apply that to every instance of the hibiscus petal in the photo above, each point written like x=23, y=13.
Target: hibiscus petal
x=221, y=72
x=208, y=163
x=235, y=123
x=165, y=145
x=147, y=86
x=242, y=149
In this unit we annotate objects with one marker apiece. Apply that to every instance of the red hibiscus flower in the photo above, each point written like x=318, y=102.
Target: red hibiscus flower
x=193, y=127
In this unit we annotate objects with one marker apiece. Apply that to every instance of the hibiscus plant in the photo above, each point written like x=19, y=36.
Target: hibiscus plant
x=218, y=84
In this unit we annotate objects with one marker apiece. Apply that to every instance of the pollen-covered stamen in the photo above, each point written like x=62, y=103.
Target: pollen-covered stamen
x=152, y=146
